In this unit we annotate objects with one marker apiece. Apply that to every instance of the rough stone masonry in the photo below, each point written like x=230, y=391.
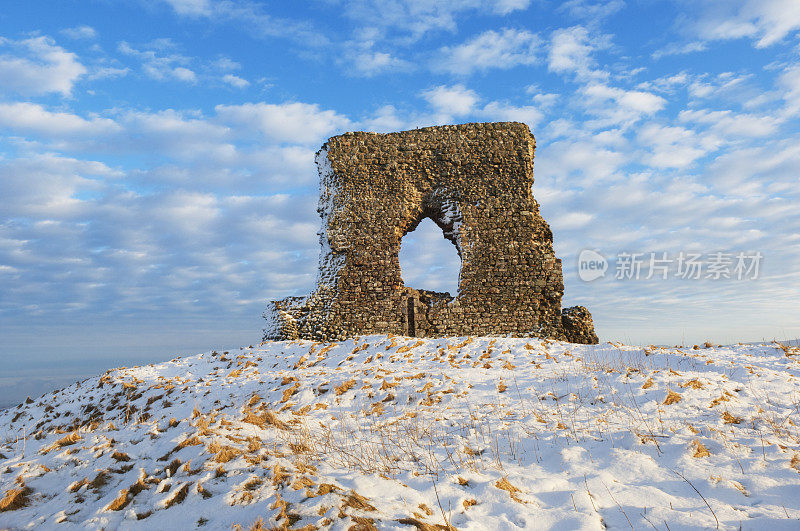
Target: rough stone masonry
x=474, y=181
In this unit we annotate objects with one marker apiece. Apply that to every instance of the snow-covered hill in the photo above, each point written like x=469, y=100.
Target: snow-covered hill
x=396, y=433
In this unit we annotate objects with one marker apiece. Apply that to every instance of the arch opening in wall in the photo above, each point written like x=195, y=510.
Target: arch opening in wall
x=429, y=261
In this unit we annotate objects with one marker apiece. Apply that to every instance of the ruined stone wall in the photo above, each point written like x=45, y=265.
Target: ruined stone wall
x=474, y=181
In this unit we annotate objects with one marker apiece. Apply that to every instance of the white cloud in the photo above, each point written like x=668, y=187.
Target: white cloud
x=108, y=72
x=184, y=136
x=111, y=250
x=226, y=64
x=673, y=146
x=455, y=100
x=768, y=170
x=572, y=220
x=499, y=112
x=724, y=85
x=385, y=120
x=765, y=21
x=675, y=48
x=33, y=118
x=619, y=106
x=161, y=67
x=80, y=32
x=504, y=7
x=576, y=162
x=728, y=123
x=219, y=146
x=571, y=51
x=182, y=74
x=370, y=62
x=592, y=10
x=415, y=18
x=191, y=7
x=235, y=81
x=250, y=16
x=668, y=84
x=543, y=99
x=361, y=58
x=38, y=66
x=288, y=122
x=177, y=135
x=45, y=185
x=492, y=49
x=789, y=81
x=634, y=100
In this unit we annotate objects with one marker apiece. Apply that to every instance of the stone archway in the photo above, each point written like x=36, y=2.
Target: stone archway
x=419, y=302
x=474, y=181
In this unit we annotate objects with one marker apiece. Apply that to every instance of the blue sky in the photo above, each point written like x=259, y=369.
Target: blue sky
x=158, y=185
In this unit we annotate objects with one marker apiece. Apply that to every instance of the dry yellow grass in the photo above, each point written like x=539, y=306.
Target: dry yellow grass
x=648, y=384
x=422, y=526
x=387, y=385
x=325, y=488
x=279, y=475
x=795, y=462
x=202, y=491
x=75, y=486
x=504, y=484
x=727, y=418
x=425, y=509
x=288, y=393
x=265, y=418
x=406, y=348
x=174, y=466
x=178, y=496
x=343, y=388
x=15, y=498
x=738, y=486
x=226, y=453
x=700, y=449
x=120, y=502
x=189, y=441
x=69, y=440
x=258, y=525
x=359, y=502
x=120, y=456
x=724, y=397
x=100, y=480
x=672, y=398
x=694, y=383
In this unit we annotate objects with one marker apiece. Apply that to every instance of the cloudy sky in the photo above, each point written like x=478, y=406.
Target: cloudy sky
x=158, y=184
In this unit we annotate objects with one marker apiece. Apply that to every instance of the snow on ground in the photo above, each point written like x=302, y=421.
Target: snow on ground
x=393, y=432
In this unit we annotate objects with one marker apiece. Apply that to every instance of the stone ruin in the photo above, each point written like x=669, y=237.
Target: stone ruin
x=474, y=181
